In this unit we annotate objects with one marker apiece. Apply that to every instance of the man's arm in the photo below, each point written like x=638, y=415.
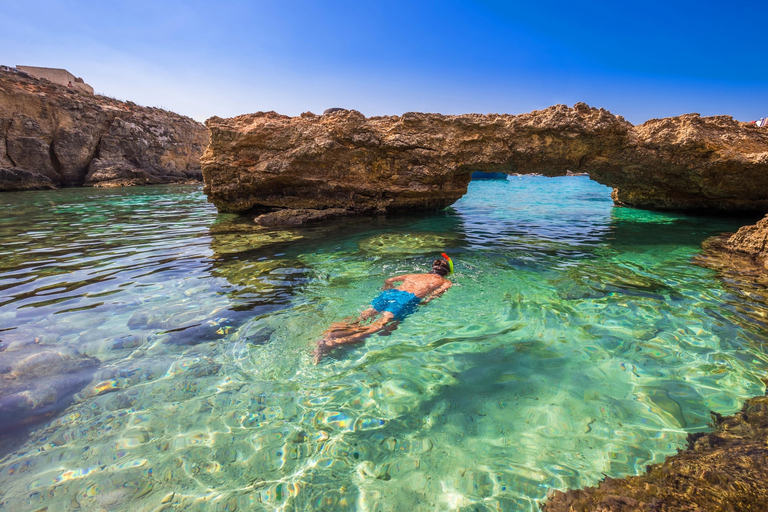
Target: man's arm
x=435, y=294
x=389, y=283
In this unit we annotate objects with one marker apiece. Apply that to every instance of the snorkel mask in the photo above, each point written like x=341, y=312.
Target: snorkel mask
x=450, y=262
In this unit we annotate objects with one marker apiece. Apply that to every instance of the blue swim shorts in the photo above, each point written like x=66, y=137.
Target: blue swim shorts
x=398, y=302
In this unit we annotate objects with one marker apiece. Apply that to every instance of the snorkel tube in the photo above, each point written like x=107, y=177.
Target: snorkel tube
x=450, y=262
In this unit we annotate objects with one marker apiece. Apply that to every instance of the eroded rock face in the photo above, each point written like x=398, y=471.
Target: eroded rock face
x=266, y=161
x=708, y=164
x=55, y=136
x=19, y=179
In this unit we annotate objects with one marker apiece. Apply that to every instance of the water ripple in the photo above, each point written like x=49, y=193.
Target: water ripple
x=578, y=342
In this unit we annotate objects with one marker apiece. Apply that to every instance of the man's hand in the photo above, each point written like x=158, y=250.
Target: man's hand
x=390, y=283
x=435, y=294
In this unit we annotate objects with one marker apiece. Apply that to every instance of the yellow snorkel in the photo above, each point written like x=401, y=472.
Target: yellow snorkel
x=450, y=262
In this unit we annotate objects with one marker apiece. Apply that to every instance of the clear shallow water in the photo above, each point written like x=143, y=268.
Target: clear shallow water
x=579, y=341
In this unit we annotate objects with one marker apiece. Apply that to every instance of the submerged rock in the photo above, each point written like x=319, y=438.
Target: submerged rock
x=722, y=471
x=718, y=472
x=299, y=217
x=343, y=160
x=51, y=135
x=38, y=381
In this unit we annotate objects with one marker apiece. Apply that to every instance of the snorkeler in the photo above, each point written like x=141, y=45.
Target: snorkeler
x=393, y=304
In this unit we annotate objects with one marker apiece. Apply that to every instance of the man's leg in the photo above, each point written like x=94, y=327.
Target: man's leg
x=365, y=315
x=348, y=322
x=350, y=336
x=347, y=326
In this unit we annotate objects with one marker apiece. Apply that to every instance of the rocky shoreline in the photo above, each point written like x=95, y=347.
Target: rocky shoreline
x=53, y=136
x=723, y=471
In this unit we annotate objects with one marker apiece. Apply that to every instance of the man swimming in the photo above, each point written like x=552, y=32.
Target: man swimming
x=393, y=304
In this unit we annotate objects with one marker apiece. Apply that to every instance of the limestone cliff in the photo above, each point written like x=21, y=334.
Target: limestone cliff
x=56, y=136
x=342, y=160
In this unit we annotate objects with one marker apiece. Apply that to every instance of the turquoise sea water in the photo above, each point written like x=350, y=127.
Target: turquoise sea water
x=579, y=341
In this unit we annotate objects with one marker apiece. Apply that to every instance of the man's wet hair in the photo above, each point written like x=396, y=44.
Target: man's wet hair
x=440, y=267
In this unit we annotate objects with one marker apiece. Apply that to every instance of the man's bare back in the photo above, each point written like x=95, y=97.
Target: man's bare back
x=393, y=304
x=424, y=286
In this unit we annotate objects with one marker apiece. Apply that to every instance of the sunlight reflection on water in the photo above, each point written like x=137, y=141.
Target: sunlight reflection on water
x=579, y=341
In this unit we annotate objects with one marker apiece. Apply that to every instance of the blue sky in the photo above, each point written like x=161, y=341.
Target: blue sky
x=201, y=58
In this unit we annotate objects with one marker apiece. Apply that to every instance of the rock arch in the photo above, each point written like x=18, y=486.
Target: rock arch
x=343, y=162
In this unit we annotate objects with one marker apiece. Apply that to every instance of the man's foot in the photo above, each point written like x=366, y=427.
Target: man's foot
x=388, y=329
x=327, y=344
x=321, y=350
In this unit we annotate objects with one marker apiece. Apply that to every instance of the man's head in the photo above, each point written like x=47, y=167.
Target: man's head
x=440, y=267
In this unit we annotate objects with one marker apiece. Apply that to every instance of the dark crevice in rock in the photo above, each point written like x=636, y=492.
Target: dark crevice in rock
x=94, y=156
x=55, y=163
x=7, y=136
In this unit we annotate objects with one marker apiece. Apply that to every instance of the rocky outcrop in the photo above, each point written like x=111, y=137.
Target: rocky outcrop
x=52, y=135
x=409, y=162
x=692, y=163
x=752, y=241
x=723, y=471
x=343, y=160
x=19, y=179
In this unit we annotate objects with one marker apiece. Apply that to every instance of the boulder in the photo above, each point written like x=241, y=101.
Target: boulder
x=751, y=240
x=14, y=179
x=38, y=381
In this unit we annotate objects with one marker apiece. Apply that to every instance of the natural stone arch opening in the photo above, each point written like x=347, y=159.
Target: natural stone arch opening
x=343, y=163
